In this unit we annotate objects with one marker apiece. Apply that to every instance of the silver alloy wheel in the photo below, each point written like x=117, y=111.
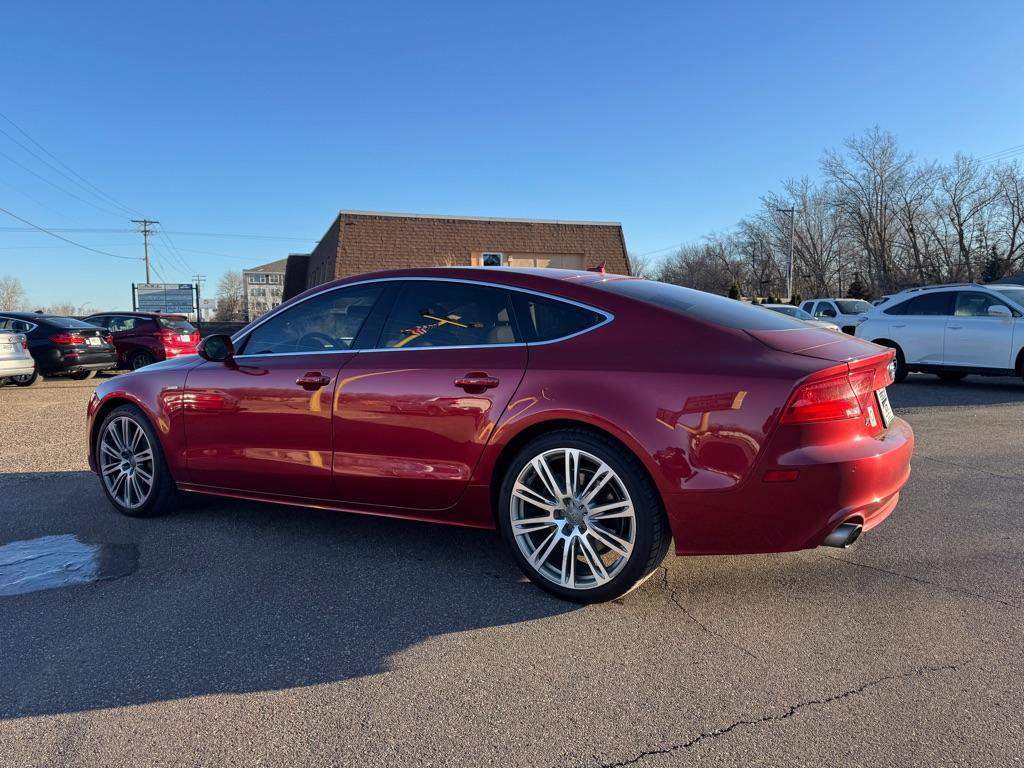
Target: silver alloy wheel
x=22, y=378
x=127, y=462
x=572, y=518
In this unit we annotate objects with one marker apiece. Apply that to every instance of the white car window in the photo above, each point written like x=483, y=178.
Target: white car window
x=825, y=309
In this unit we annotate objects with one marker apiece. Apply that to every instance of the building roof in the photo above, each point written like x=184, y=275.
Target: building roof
x=446, y=217
x=273, y=266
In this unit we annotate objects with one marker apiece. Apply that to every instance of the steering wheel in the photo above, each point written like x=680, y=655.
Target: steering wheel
x=315, y=338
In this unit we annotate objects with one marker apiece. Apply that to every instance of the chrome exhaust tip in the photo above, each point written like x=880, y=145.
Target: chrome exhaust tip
x=843, y=536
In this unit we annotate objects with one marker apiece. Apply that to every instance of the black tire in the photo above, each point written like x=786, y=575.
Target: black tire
x=140, y=359
x=652, y=535
x=25, y=380
x=164, y=496
x=951, y=376
x=901, y=362
x=82, y=375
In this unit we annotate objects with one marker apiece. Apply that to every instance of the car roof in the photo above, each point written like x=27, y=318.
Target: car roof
x=131, y=313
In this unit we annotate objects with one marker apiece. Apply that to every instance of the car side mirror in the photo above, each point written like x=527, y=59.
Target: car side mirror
x=998, y=310
x=217, y=348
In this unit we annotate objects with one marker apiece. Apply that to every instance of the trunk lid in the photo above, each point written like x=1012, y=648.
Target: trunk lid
x=818, y=343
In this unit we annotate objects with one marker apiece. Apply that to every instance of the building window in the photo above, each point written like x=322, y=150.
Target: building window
x=492, y=259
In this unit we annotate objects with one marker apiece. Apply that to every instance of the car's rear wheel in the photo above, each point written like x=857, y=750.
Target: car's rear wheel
x=581, y=516
x=131, y=465
x=140, y=360
x=82, y=375
x=951, y=376
x=26, y=379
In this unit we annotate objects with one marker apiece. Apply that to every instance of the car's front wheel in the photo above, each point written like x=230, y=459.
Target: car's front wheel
x=583, y=519
x=131, y=465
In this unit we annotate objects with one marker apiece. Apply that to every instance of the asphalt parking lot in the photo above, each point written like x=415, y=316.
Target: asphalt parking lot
x=245, y=634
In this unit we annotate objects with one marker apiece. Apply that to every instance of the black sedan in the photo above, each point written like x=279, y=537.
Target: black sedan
x=63, y=346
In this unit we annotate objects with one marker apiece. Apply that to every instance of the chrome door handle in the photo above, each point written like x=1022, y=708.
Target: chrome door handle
x=477, y=381
x=899, y=325
x=313, y=380
x=954, y=327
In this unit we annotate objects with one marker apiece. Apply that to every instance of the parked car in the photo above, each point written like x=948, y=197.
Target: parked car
x=952, y=330
x=591, y=418
x=16, y=363
x=846, y=313
x=63, y=346
x=144, y=338
x=799, y=314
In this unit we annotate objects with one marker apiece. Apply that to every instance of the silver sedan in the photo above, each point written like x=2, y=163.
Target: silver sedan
x=799, y=314
x=16, y=363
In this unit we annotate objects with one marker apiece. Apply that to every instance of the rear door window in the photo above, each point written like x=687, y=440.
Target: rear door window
x=439, y=313
x=825, y=309
x=927, y=304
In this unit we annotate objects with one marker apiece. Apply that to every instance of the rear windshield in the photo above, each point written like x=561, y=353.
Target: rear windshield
x=853, y=306
x=181, y=326
x=66, y=322
x=704, y=306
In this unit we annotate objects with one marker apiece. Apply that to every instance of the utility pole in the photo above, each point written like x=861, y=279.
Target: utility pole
x=199, y=279
x=789, y=266
x=146, y=224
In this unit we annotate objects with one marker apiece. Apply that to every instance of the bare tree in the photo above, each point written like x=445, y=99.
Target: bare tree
x=865, y=182
x=12, y=294
x=1008, y=221
x=641, y=265
x=231, y=297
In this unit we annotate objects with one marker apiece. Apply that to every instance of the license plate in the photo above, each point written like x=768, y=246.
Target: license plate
x=93, y=341
x=884, y=407
x=186, y=337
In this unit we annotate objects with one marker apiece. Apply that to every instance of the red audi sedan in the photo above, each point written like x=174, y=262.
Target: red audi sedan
x=591, y=418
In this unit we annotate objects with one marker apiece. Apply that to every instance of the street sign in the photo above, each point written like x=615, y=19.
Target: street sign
x=164, y=297
x=208, y=305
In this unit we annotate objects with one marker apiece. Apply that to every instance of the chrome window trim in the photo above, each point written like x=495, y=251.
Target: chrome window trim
x=244, y=334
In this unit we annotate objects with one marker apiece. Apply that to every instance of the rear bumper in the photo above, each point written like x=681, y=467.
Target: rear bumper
x=17, y=367
x=844, y=482
x=57, y=361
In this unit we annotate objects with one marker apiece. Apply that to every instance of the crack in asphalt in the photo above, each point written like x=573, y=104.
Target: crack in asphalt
x=775, y=717
x=966, y=466
x=672, y=596
x=919, y=580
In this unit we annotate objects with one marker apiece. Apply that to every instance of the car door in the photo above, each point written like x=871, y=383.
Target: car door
x=825, y=310
x=918, y=325
x=413, y=415
x=262, y=421
x=976, y=339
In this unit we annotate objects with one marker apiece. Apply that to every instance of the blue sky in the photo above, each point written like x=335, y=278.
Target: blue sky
x=266, y=119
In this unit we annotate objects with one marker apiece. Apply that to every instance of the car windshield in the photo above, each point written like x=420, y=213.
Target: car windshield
x=852, y=306
x=1013, y=293
x=176, y=324
x=792, y=311
x=704, y=306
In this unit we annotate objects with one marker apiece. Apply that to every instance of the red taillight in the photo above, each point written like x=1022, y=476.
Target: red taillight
x=67, y=338
x=839, y=395
x=109, y=338
x=825, y=400
x=24, y=343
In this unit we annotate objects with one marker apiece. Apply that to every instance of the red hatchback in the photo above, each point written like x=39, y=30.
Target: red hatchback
x=144, y=338
x=591, y=418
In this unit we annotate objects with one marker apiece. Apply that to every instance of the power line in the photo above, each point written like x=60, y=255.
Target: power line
x=56, y=159
x=67, y=240
x=60, y=188
x=146, y=224
x=227, y=235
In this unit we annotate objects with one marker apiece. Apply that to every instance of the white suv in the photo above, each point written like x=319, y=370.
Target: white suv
x=952, y=330
x=846, y=313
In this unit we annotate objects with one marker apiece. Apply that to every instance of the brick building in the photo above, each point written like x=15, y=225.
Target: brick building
x=359, y=241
